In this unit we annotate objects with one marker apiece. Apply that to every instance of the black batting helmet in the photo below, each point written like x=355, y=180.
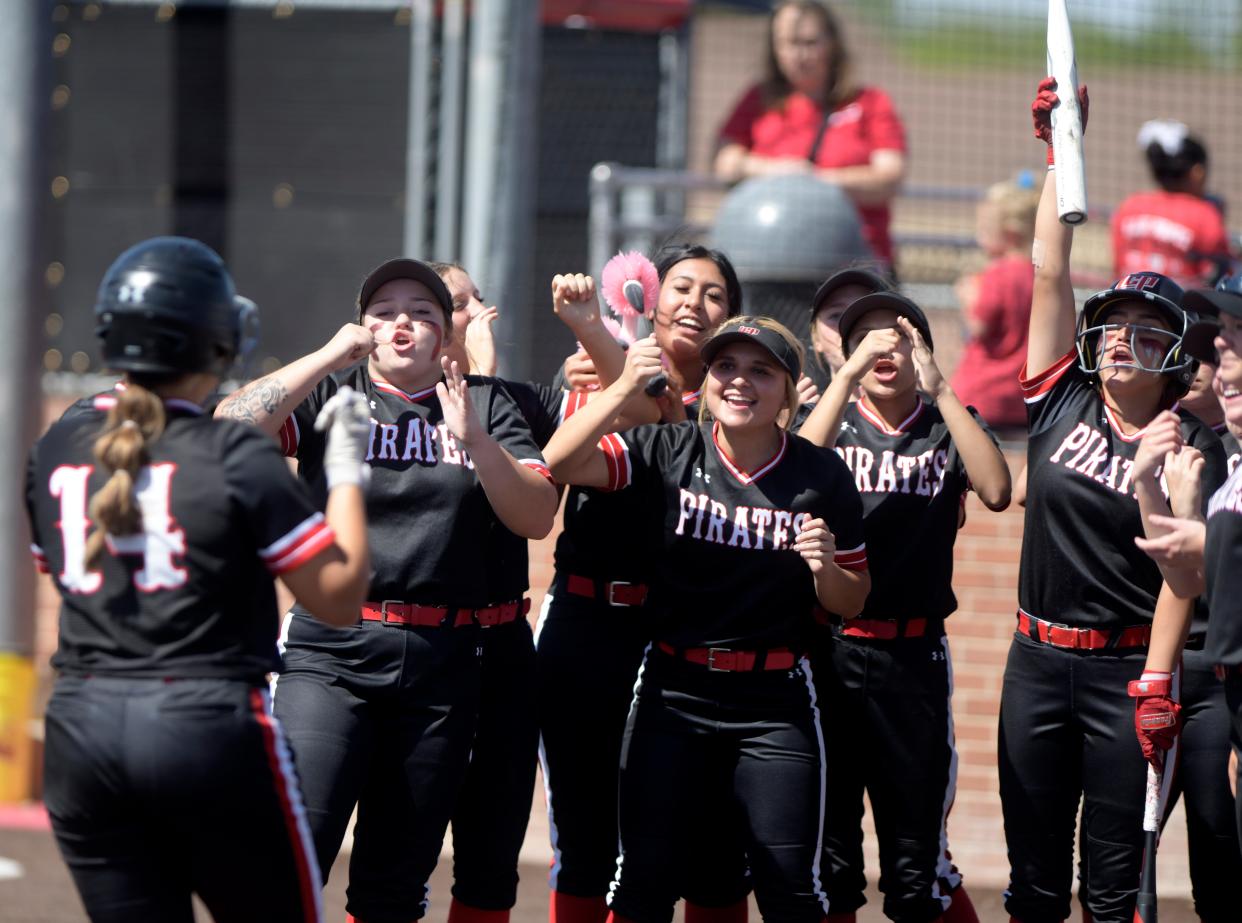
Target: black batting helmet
x=1165, y=296
x=168, y=305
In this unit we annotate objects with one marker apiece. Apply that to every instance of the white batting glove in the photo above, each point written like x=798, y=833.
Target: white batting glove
x=347, y=418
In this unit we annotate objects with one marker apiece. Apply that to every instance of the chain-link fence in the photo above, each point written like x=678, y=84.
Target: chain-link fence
x=278, y=131
x=962, y=74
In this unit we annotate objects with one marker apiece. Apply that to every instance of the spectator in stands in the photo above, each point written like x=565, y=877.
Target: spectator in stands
x=1176, y=230
x=996, y=306
x=809, y=116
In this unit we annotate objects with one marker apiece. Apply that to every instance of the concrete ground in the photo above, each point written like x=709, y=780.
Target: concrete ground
x=35, y=886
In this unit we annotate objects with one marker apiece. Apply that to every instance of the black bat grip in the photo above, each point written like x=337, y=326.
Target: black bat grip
x=657, y=385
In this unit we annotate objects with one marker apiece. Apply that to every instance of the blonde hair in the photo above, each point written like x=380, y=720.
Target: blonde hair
x=792, y=400
x=1015, y=209
x=134, y=422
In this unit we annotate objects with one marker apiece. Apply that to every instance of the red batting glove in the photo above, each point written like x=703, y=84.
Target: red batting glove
x=1041, y=110
x=1157, y=718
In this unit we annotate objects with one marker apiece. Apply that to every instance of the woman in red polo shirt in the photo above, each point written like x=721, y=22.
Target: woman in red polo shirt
x=808, y=115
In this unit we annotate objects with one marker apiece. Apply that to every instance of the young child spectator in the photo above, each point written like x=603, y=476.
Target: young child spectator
x=996, y=306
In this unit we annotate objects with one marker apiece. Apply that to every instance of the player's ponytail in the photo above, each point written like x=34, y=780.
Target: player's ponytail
x=133, y=423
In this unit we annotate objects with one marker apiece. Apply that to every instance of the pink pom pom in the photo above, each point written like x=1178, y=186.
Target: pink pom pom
x=625, y=266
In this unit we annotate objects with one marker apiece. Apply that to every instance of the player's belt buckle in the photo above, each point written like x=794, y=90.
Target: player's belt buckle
x=711, y=659
x=612, y=592
x=384, y=604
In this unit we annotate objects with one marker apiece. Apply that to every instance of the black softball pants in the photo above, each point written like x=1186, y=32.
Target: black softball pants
x=493, y=807
x=384, y=721
x=706, y=751
x=158, y=789
x=1233, y=699
x=890, y=707
x=588, y=658
x=1067, y=731
x=1202, y=778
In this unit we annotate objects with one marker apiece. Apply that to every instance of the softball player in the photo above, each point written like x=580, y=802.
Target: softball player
x=723, y=727
x=165, y=772
x=888, y=672
x=493, y=807
x=472, y=345
x=1087, y=594
x=595, y=604
x=838, y=292
x=382, y=714
x=1182, y=545
x=1205, y=399
x=1203, y=745
x=1222, y=557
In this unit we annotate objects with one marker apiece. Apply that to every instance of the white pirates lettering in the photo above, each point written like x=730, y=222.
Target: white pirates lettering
x=1085, y=450
x=413, y=441
x=1228, y=499
x=716, y=522
x=749, y=525
x=895, y=474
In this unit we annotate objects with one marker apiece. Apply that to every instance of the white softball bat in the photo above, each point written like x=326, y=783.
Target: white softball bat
x=1066, y=118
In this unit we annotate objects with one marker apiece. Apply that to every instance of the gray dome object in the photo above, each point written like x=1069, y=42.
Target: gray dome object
x=788, y=228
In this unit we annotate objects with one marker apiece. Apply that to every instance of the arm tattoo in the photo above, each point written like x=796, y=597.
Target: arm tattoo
x=254, y=402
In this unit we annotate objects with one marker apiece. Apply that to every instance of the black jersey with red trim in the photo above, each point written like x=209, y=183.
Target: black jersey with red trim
x=541, y=407
x=912, y=481
x=434, y=537
x=1199, y=619
x=725, y=574
x=1223, y=573
x=1230, y=443
x=607, y=535
x=192, y=594
x=603, y=535
x=1080, y=565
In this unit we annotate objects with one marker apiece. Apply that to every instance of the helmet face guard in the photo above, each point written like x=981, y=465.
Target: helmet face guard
x=1144, y=343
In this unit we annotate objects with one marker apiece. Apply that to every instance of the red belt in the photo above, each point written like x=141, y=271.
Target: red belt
x=1087, y=639
x=1223, y=671
x=612, y=592
x=722, y=660
x=394, y=612
x=877, y=629
x=884, y=629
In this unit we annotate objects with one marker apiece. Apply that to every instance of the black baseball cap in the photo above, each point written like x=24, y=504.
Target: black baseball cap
x=869, y=280
x=771, y=341
x=404, y=268
x=1209, y=304
x=891, y=301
